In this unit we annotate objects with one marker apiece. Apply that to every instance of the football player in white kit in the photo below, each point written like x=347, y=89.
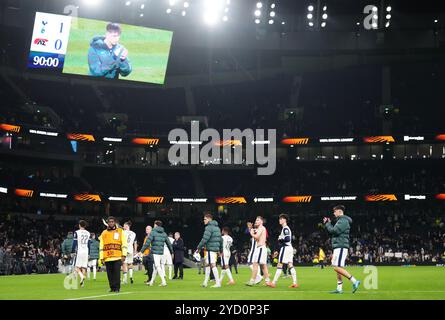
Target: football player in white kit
x=132, y=248
x=259, y=257
x=225, y=257
x=81, y=247
x=259, y=277
x=168, y=257
x=286, y=255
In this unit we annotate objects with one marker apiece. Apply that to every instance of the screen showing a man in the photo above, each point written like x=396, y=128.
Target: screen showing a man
x=107, y=57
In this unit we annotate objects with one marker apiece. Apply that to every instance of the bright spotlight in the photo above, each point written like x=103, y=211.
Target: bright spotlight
x=310, y=8
x=257, y=21
x=172, y=2
x=309, y=16
x=374, y=9
x=169, y=10
x=225, y=18
x=374, y=25
x=323, y=24
x=259, y=5
x=142, y=6
x=127, y=3
x=183, y=13
x=257, y=13
x=283, y=23
x=324, y=16
x=388, y=16
x=271, y=21
x=141, y=15
x=387, y=24
x=272, y=14
x=436, y=21
x=325, y=8
x=388, y=8
x=186, y=4
x=311, y=24
x=375, y=17
x=272, y=6
x=92, y=2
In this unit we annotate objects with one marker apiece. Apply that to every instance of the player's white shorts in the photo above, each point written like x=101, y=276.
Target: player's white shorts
x=225, y=260
x=129, y=258
x=92, y=263
x=339, y=257
x=286, y=255
x=260, y=255
x=81, y=260
x=168, y=257
x=159, y=259
x=210, y=257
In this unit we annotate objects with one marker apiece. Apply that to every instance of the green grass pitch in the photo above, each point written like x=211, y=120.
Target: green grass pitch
x=394, y=283
x=148, y=49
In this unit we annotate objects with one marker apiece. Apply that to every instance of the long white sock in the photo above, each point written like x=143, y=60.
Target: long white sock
x=277, y=275
x=161, y=272
x=215, y=273
x=207, y=275
x=130, y=271
x=223, y=273
x=353, y=280
x=153, y=276
x=294, y=275
x=339, y=285
x=88, y=273
x=229, y=274
x=94, y=272
x=170, y=270
x=125, y=277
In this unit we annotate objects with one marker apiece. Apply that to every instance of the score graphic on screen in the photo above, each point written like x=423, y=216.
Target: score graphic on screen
x=49, y=41
x=100, y=49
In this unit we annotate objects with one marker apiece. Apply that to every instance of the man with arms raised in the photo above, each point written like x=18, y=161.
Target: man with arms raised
x=259, y=258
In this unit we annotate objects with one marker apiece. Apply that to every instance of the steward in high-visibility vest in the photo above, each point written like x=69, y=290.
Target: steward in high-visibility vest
x=112, y=252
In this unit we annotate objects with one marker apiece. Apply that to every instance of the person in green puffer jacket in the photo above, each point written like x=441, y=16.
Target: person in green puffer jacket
x=157, y=239
x=213, y=244
x=340, y=244
x=66, y=248
x=93, y=256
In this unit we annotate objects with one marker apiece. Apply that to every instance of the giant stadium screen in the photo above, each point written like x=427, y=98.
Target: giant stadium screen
x=100, y=49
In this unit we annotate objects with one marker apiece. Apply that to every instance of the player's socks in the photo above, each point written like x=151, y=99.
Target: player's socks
x=130, y=271
x=277, y=275
x=352, y=279
x=170, y=271
x=215, y=273
x=207, y=276
x=125, y=278
x=258, y=279
x=88, y=273
x=229, y=274
x=94, y=272
x=223, y=273
x=294, y=275
x=162, y=275
x=153, y=277
x=339, y=285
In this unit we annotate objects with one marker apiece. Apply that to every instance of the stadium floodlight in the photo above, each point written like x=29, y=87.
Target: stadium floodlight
x=128, y=3
x=213, y=10
x=387, y=24
x=388, y=8
x=323, y=24
x=283, y=23
x=324, y=16
x=436, y=21
x=272, y=14
x=272, y=6
x=325, y=8
x=257, y=13
x=142, y=6
x=310, y=8
x=183, y=13
x=374, y=9
x=388, y=16
x=141, y=15
x=257, y=21
x=92, y=2
x=186, y=4
x=271, y=21
x=375, y=17
x=309, y=16
x=225, y=18
x=169, y=10
x=374, y=25
x=259, y=5
x=311, y=24
x=172, y=2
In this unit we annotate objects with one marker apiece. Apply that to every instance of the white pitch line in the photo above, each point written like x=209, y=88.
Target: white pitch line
x=104, y=295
